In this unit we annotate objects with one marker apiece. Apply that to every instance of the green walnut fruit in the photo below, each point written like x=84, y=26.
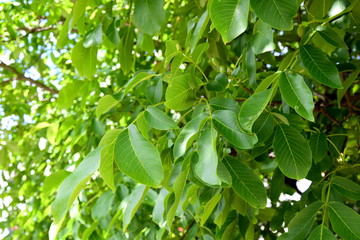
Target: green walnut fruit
x=301, y=31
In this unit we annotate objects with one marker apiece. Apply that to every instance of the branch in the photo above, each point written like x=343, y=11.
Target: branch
x=29, y=31
x=20, y=76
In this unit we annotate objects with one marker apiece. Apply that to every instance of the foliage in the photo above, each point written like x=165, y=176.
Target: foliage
x=152, y=119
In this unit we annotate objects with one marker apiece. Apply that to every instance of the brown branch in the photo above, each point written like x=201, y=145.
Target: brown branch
x=21, y=76
x=29, y=31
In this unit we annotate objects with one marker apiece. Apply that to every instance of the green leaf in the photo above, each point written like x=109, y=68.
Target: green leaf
x=206, y=167
x=113, y=34
x=252, y=108
x=178, y=188
x=52, y=132
x=301, y=224
x=227, y=124
x=277, y=13
x=297, y=94
x=345, y=221
x=319, y=8
x=219, y=84
x=84, y=60
x=132, y=203
x=138, y=158
x=209, y=208
x=62, y=38
x=199, y=30
x=224, y=104
x=262, y=39
x=126, y=57
x=277, y=183
x=292, y=152
x=346, y=85
x=136, y=79
x=94, y=38
x=73, y=184
x=346, y=187
x=319, y=146
x=106, y=168
x=331, y=36
x=198, y=52
x=158, y=119
x=172, y=49
x=264, y=126
x=179, y=95
x=230, y=17
x=78, y=11
x=159, y=208
x=105, y=104
x=52, y=182
x=185, y=137
x=246, y=183
x=149, y=15
x=155, y=92
x=319, y=66
x=102, y=206
x=321, y=233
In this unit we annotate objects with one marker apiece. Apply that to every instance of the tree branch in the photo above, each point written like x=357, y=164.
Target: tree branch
x=21, y=76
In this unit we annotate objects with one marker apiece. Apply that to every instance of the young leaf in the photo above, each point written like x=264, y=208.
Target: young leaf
x=346, y=187
x=292, y=152
x=246, y=183
x=149, y=15
x=319, y=66
x=191, y=128
x=319, y=146
x=252, y=108
x=345, y=221
x=277, y=13
x=179, y=95
x=105, y=104
x=138, y=158
x=206, y=167
x=230, y=17
x=227, y=124
x=132, y=203
x=73, y=184
x=158, y=119
x=301, y=224
x=297, y=94
x=321, y=233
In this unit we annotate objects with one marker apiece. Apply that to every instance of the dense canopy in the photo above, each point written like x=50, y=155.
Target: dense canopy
x=179, y=119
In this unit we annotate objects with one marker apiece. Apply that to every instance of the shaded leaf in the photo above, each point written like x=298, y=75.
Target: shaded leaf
x=346, y=187
x=209, y=208
x=345, y=221
x=319, y=66
x=218, y=84
x=252, y=108
x=331, y=36
x=297, y=94
x=190, y=129
x=292, y=152
x=246, y=183
x=225, y=104
x=102, y=206
x=319, y=146
x=227, y=124
x=321, y=233
x=84, y=60
x=94, y=38
x=262, y=39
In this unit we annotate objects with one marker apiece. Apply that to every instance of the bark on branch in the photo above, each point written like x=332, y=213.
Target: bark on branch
x=21, y=76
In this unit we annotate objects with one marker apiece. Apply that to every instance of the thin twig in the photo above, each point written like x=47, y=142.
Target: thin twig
x=21, y=76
